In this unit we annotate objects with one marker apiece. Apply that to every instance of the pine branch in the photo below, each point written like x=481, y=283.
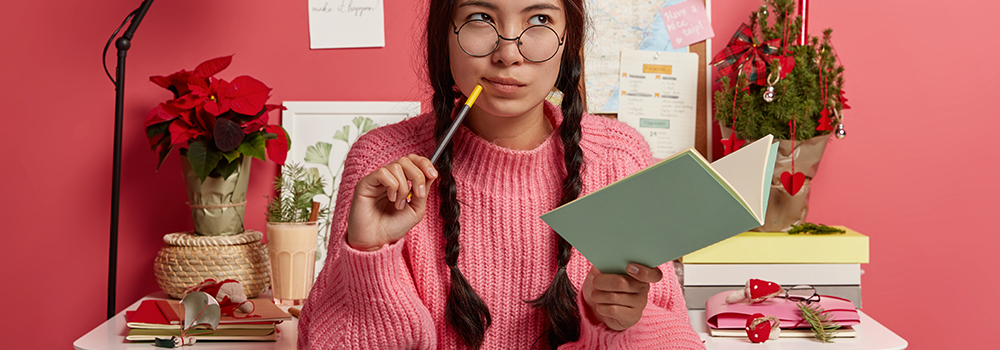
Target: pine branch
x=823, y=326
x=296, y=187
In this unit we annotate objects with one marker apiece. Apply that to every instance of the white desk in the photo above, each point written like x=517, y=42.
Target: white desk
x=871, y=336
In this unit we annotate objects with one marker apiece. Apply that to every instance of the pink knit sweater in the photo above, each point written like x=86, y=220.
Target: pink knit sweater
x=394, y=298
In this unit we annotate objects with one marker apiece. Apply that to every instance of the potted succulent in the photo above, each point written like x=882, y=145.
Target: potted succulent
x=792, y=88
x=217, y=125
x=292, y=233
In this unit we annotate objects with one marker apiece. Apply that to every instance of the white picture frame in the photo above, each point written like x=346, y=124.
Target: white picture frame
x=325, y=130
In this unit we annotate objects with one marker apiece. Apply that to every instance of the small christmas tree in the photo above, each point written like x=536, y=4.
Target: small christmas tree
x=811, y=93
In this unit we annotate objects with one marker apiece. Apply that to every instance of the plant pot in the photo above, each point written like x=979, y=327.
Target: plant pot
x=217, y=204
x=783, y=208
x=187, y=259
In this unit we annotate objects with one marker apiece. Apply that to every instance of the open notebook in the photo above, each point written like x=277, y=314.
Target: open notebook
x=674, y=207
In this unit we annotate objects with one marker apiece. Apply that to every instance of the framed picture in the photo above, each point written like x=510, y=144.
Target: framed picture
x=321, y=133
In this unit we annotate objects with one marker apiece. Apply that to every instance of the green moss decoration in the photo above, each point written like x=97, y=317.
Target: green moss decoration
x=814, y=229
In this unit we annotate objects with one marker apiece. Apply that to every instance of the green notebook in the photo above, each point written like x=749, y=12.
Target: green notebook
x=670, y=209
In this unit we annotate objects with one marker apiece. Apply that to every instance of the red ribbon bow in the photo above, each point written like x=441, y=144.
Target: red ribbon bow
x=745, y=56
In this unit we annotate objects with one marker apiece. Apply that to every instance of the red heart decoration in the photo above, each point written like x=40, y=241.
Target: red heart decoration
x=763, y=289
x=761, y=332
x=792, y=182
x=787, y=64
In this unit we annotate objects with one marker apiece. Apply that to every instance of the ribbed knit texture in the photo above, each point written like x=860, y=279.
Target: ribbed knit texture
x=394, y=298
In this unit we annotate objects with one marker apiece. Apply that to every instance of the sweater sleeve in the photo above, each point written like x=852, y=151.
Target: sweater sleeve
x=364, y=300
x=664, y=323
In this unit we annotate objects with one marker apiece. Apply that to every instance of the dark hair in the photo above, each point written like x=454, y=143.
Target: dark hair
x=465, y=310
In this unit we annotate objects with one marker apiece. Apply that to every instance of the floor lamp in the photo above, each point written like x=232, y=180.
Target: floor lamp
x=122, y=44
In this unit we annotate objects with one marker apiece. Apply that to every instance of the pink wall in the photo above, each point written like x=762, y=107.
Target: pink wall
x=914, y=173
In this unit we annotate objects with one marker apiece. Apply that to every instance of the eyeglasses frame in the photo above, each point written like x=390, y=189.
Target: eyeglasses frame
x=517, y=38
x=815, y=297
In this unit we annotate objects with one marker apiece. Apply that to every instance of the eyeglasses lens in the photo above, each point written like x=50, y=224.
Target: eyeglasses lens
x=800, y=293
x=536, y=44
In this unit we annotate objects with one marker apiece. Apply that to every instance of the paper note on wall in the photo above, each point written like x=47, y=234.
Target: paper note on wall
x=687, y=23
x=658, y=98
x=337, y=24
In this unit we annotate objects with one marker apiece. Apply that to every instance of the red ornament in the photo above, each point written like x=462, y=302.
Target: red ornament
x=792, y=182
x=760, y=328
x=731, y=144
x=824, y=121
x=761, y=289
x=755, y=291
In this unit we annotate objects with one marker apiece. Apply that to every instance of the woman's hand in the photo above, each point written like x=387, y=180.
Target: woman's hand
x=618, y=300
x=383, y=210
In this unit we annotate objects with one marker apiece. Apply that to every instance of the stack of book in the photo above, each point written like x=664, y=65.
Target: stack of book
x=829, y=262
x=164, y=318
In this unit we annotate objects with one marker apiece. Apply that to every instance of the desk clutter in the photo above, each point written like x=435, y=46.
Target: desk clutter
x=211, y=311
x=769, y=273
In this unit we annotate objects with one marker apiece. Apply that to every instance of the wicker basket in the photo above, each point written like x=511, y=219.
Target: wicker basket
x=188, y=259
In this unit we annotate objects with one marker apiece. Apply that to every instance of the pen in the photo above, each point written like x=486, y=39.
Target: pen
x=456, y=123
x=454, y=126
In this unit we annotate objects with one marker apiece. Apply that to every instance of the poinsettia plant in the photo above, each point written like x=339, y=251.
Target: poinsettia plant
x=214, y=122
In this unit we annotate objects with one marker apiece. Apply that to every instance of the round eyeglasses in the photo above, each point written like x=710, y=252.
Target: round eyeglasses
x=479, y=38
x=801, y=293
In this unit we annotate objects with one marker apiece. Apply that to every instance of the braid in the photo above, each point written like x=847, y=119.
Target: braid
x=465, y=311
x=559, y=300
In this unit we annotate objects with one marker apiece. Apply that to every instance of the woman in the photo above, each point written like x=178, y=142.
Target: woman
x=453, y=254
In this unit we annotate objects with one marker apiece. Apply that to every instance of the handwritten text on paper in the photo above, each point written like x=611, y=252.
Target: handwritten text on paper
x=687, y=23
x=346, y=23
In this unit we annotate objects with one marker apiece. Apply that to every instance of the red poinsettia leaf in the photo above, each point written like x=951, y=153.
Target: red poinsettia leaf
x=181, y=132
x=160, y=114
x=255, y=125
x=203, y=121
x=248, y=95
x=160, y=80
x=277, y=149
x=216, y=103
x=212, y=66
x=269, y=107
x=188, y=101
x=227, y=134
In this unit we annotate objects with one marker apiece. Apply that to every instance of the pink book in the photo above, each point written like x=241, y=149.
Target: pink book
x=721, y=315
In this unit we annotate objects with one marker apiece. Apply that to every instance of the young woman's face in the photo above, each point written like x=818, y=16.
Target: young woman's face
x=512, y=84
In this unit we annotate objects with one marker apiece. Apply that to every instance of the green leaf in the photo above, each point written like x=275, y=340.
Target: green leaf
x=319, y=154
x=357, y=121
x=202, y=160
x=231, y=155
x=228, y=167
x=342, y=135
x=253, y=145
x=165, y=149
x=157, y=129
x=369, y=126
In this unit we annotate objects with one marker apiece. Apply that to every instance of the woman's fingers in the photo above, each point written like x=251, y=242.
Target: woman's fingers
x=643, y=273
x=403, y=179
x=618, y=300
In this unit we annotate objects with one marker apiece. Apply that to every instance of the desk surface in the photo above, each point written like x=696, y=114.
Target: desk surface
x=871, y=336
